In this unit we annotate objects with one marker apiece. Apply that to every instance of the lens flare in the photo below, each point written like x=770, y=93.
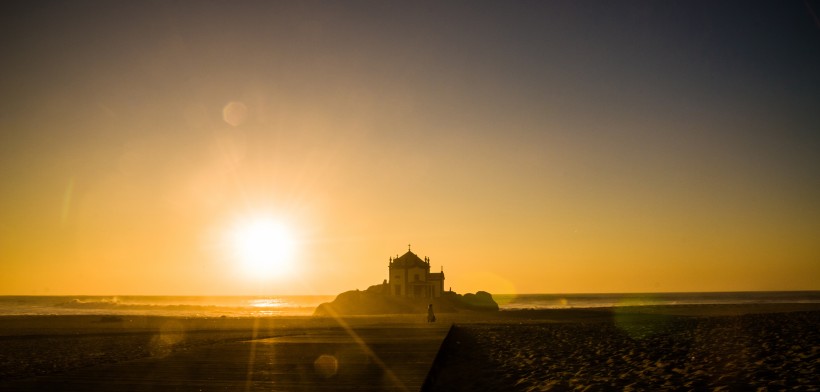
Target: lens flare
x=235, y=113
x=326, y=366
x=169, y=335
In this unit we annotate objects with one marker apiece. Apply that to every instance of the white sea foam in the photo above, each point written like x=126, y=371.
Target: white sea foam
x=234, y=306
x=244, y=306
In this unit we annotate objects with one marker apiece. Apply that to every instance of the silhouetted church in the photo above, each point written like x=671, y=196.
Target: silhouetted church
x=410, y=276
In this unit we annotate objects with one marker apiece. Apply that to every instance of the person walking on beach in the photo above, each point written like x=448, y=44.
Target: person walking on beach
x=431, y=318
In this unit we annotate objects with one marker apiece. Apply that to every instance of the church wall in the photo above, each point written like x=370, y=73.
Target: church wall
x=397, y=281
x=403, y=280
x=412, y=273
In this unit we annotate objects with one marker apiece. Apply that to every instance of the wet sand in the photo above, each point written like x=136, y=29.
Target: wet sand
x=42, y=345
x=159, y=354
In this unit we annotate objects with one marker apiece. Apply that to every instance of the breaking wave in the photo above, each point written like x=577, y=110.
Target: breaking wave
x=164, y=306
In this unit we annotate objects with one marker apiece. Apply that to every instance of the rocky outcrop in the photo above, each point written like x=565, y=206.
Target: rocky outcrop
x=376, y=300
x=481, y=301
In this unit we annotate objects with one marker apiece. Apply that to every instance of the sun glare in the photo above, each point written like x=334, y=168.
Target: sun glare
x=263, y=248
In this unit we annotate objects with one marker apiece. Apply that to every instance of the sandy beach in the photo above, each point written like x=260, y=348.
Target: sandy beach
x=722, y=347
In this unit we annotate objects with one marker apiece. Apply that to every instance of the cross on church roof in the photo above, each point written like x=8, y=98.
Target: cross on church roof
x=408, y=247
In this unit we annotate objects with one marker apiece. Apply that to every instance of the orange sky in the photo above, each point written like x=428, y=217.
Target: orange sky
x=525, y=150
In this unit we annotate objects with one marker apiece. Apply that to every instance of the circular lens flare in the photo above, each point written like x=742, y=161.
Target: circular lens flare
x=235, y=113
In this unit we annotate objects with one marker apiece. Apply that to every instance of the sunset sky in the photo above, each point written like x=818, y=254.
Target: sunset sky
x=526, y=147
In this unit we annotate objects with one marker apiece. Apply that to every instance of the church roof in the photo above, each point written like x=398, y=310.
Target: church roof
x=408, y=259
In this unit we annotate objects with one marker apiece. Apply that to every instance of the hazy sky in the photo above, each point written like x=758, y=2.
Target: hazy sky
x=540, y=146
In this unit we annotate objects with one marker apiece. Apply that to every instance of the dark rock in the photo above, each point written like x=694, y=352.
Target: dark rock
x=481, y=300
x=376, y=300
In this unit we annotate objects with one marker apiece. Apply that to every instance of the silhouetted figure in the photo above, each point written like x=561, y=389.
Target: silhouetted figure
x=431, y=318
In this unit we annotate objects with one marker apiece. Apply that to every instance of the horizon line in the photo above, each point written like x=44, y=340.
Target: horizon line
x=330, y=295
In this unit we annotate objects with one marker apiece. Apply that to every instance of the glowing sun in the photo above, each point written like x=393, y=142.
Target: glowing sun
x=263, y=248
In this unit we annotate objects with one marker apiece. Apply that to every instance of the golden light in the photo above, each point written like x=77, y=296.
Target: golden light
x=263, y=248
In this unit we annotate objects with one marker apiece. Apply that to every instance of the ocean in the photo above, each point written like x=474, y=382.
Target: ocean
x=566, y=301
x=182, y=306
x=303, y=305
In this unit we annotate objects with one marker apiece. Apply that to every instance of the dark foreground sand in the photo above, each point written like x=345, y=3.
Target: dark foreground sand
x=753, y=347
x=36, y=346
x=742, y=348
x=362, y=357
x=42, y=345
